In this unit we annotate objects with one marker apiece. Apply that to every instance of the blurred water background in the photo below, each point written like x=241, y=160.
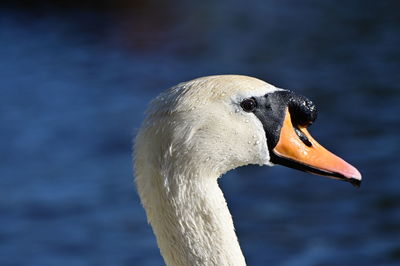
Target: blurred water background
x=75, y=80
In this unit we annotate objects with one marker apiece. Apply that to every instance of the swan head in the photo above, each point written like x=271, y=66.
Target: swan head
x=218, y=123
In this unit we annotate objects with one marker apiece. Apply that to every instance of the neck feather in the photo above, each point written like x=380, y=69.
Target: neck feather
x=190, y=218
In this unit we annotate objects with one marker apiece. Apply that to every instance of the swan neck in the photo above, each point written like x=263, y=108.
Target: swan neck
x=193, y=224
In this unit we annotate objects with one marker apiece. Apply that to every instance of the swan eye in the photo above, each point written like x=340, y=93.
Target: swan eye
x=248, y=105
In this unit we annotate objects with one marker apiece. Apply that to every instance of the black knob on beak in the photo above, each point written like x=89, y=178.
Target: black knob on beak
x=302, y=110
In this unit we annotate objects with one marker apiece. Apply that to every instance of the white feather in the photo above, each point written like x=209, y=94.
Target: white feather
x=194, y=133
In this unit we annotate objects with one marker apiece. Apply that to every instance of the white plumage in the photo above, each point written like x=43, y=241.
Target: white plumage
x=194, y=133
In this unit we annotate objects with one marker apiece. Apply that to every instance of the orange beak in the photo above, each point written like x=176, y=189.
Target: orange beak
x=301, y=151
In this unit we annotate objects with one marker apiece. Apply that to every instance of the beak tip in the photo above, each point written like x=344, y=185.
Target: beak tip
x=355, y=178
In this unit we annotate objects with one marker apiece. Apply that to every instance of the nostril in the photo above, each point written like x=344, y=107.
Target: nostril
x=302, y=137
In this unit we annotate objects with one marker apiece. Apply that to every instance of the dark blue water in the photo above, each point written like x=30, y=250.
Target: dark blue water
x=74, y=85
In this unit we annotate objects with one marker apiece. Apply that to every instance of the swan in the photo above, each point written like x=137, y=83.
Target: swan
x=198, y=130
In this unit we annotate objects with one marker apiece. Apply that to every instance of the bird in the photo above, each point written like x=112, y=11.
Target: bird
x=198, y=130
